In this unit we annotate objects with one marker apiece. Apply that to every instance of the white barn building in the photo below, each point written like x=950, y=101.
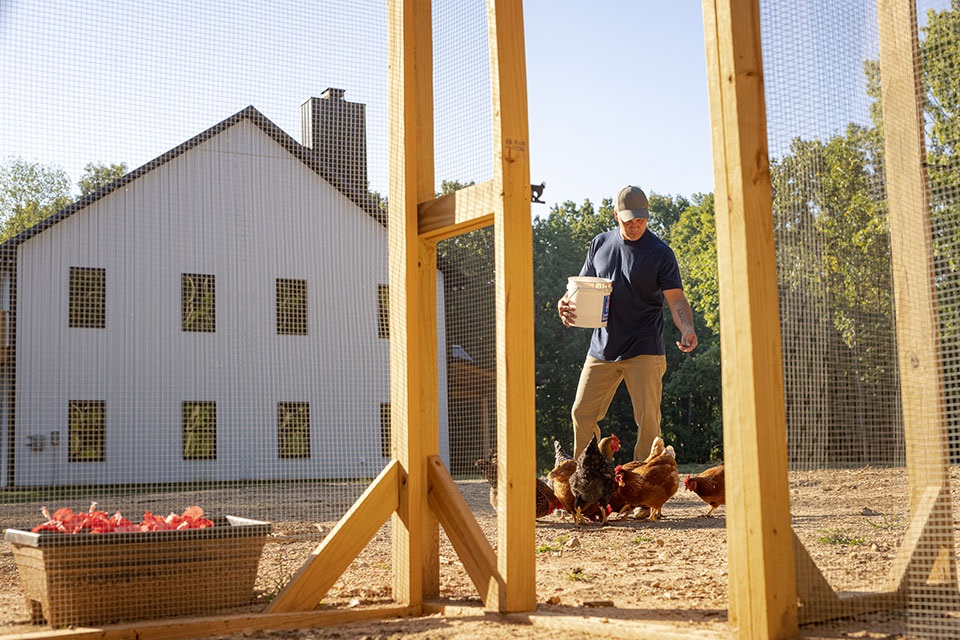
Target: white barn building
x=216, y=314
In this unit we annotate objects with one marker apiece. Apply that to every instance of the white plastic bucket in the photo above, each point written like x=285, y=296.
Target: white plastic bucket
x=591, y=296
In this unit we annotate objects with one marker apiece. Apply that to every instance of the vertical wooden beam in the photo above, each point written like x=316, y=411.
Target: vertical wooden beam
x=712, y=45
x=413, y=334
x=760, y=541
x=513, y=241
x=918, y=329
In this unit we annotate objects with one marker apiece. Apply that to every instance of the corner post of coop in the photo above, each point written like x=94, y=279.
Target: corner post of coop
x=918, y=327
x=413, y=320
x=763, y=596
x=513, y=241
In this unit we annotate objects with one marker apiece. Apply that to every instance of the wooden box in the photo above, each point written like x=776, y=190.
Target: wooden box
x=93, y=579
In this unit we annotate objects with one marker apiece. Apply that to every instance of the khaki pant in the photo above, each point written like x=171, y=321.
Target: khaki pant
x=599, y=381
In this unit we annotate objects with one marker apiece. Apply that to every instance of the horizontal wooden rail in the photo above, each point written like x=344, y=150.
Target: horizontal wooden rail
x=455, y=213
x=188, y=628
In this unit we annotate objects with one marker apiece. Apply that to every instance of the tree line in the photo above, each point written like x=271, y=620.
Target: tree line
x=32, y=191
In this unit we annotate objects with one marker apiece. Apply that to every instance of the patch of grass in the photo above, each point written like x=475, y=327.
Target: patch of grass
x=836, y=536
x=643, y=539
x=557, y=545
x=577, y=575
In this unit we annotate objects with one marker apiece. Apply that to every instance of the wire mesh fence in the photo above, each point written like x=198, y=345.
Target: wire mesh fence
x=847, y=360
x=194, y=303
x=194, y=294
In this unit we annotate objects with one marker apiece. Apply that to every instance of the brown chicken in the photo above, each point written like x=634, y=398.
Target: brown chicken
x=617, y=503
x=709, y=486
x=565, y=465
x=563, y=468
x=609, y=446
x=547, y=502
x=650, y=482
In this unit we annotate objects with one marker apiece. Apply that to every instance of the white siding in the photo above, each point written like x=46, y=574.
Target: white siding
x=240, y=207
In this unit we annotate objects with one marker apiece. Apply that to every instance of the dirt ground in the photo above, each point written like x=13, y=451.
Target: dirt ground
x=671, y=575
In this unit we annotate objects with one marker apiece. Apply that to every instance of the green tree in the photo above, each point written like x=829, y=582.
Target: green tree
x=834, y=272
x=29, y=192
x=694, y=241
x=940, y=58
x=98, y=175
x=692, y=400
x=665, y=212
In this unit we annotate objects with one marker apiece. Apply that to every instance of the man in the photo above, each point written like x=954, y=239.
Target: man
x=630, y=348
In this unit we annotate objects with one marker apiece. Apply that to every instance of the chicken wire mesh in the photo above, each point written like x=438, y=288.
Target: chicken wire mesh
x=830, y=123
x=203, y=319
x=194, y=295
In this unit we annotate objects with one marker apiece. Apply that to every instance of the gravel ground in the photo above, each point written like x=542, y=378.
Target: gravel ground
x=671, y=572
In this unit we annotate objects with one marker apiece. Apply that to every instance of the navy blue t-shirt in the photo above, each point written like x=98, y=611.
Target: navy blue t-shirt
x=640, y=271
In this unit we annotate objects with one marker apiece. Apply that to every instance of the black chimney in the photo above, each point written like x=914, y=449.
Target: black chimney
x=336, y=130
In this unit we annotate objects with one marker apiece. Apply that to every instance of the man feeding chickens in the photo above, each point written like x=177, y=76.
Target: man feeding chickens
x=630, y=347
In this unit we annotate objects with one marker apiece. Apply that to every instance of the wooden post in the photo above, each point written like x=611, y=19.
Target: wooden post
x=513, y=241
x=413, y=333
x=918, y=329
x=918, y=333
x=763, y=596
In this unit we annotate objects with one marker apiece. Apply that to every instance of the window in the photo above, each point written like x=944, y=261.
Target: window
x=385, y=430
x=87, y=431
x=199, y=430
x=293, y=430
x=88, y=298
x=383, y=311
x=292, y=307
x=198, y=302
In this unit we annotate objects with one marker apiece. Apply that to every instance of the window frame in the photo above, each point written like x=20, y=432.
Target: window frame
x=288, y=430
x=383, y=311
x=205, y=450
x=87, y=301
x=293, y=318
x=198, y=316
x=77, y=433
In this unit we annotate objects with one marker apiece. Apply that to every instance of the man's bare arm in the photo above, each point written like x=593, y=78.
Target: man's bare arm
x=682, y=317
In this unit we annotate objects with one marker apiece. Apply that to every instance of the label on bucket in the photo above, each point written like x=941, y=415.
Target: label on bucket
x=591, y=296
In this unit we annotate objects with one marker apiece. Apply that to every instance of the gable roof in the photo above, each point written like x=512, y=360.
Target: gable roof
x=301, y=152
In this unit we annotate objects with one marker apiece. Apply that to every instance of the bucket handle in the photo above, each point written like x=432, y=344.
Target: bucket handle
x=576, y=286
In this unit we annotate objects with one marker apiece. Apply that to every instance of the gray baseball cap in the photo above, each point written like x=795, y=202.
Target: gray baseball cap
x=632, y=203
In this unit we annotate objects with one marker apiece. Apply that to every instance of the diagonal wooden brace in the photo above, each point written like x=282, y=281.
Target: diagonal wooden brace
x=925, y=560
x=925, y=556
x=465, y=534
x=351, y=535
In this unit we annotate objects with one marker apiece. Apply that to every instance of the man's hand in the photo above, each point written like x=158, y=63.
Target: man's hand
x=566, y=311
x=687, y=342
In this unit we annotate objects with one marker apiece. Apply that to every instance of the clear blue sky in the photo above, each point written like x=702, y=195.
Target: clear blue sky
x=617, y=90
x=617, y=95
